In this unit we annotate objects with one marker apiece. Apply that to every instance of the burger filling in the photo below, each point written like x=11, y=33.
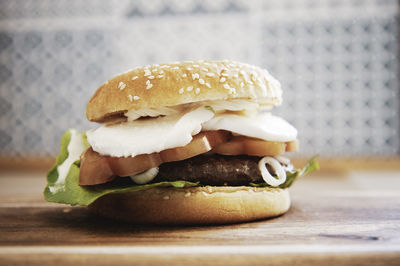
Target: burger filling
x=170, y=143
x=198, y=163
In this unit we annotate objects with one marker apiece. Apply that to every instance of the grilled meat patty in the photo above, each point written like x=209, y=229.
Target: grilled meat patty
x=215, y=170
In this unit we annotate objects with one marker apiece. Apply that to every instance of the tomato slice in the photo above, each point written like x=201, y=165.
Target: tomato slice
x=98, y=169
x=254, y=147
x=201, y=143
x=126, y=166
x=94, y=169
x=293, y=146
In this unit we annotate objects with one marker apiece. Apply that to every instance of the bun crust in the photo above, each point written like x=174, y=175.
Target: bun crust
x=180, y=83
x=198, y=205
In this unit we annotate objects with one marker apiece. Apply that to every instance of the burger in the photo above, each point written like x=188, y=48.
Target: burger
x=189, y=142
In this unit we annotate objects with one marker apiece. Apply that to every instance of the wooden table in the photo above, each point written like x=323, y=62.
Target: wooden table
x=335, y=218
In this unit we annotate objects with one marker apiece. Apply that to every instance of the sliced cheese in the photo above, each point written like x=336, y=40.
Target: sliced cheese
x=263, y=126
x=148, y=135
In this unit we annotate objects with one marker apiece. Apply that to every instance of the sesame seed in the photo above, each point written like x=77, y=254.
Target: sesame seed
x=241, y=84
x=175, y=68
x=134, y=77
x=204, y=193
x=226, y=86
x=150, y=77
x=187, y=194
x=147, y=72
x=166, y=197
x=130, y=97
x=209, y=189
x=189, y=68
x=204, y=69
x=242, y=72
x=160, y=76
x=136, y=98
x=121, y=85
x=201, y=81
x=208, y=85
x=161, y=71
x=253, y=77
x=195, y=76
x=154, y=70
x=184, y=75
x=236, y=75
x=223, y=79
x=149, y=85
x=225, y=74
x=250, y=82
x=195, y=65
x=190, y=88
x=210, y=74
x=232, y=91
x=197, y=91
x=181, y=91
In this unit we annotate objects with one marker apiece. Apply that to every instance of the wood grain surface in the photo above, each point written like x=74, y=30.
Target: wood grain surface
x=347, y=219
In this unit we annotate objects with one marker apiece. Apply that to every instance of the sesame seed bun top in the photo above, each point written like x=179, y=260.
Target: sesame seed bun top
x=180, y=83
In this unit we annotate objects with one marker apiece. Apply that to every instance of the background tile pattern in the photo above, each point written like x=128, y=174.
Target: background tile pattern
x=337, y=61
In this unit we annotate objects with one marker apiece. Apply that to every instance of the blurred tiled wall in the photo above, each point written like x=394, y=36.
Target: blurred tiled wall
x=337, y=61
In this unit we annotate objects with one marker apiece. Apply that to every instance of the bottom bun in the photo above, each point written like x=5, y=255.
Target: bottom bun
x=196, y=205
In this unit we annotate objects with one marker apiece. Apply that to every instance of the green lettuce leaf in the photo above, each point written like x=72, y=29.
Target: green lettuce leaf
x=74, y=194
x=312, y=165
x=70, y=192
x=52, y=175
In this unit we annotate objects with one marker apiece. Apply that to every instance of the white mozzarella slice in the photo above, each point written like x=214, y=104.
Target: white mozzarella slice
x=148, y=135
x=263, y=126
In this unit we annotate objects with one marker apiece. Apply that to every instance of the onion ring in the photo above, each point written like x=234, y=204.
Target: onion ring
x=276, y=166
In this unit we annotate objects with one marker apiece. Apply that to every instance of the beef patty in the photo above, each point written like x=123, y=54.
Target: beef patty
x=215, y=170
